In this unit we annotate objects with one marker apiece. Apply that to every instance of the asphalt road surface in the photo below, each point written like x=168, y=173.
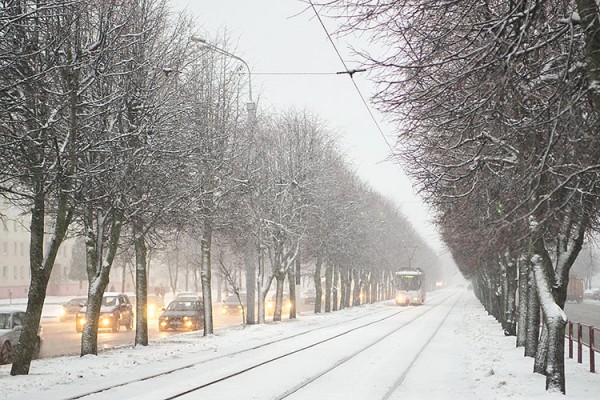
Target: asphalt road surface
x=60, y=338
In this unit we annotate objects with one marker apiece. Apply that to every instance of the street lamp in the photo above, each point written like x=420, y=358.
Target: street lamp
x=250, y=106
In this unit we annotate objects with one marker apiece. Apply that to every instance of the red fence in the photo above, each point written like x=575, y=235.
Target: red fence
x=580, y=341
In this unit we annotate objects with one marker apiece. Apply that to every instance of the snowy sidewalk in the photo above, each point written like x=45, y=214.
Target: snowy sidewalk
x=472, y=359
x=469, y=358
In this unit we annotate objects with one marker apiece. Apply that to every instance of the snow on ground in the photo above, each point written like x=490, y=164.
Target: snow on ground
x=469, y=358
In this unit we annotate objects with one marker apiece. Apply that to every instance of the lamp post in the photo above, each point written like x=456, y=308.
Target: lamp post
x=250, y=106
x=251, y=283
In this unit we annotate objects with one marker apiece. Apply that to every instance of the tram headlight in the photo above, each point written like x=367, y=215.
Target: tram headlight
x=402, y=299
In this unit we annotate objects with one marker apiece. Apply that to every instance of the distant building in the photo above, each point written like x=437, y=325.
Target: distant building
x=14, y=257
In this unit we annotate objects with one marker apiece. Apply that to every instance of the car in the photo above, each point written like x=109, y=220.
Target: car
x=116, y=311
x=70, y=309
x=593, y=293
x=231, y=305
x=310, y=296
x=11, y=325
x=153, y=305
x=185, y=315
x=188, y=296
x=286, y=305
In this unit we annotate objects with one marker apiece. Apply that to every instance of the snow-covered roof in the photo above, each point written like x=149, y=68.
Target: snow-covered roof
x=409, y=272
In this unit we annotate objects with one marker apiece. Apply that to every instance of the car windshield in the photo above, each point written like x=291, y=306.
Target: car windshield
x=232, y=299
x=76, y=302
x=183, y=306
x=4, y=321
x=109, y=301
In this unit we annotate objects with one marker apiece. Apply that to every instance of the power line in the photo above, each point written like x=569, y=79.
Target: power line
x=295, y=73
x=351, y=75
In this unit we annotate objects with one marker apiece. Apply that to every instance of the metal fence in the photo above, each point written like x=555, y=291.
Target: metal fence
x=585, y=337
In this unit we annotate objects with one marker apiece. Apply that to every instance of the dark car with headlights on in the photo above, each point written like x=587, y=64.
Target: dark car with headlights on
x=116, y=311
x=185, y=315
x=70, y=309
x=11, y=326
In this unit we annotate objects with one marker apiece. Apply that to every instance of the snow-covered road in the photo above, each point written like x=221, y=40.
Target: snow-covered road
x=349, y=356
x=448, y=348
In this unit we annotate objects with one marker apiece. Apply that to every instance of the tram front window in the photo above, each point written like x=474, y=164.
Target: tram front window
x=408, y=282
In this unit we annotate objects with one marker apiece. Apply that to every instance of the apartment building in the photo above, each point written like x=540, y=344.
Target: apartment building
x=14, y=257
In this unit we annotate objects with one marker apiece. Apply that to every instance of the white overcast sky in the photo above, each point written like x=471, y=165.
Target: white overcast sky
x=282, y=36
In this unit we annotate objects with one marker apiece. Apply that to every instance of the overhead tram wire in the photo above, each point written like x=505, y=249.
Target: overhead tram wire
x=351, y=75
x=295, y=73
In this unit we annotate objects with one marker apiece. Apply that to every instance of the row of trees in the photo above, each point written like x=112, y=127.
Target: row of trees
x=117, y=128
x=497, y=106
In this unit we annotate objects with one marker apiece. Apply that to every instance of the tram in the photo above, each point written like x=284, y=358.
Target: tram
x=410, y=287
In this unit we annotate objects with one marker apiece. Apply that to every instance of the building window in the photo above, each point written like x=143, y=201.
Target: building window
x=22, y=248
x=5, y=248
x=5, y=272
x=16, y=272
x=22, y=272
x=16, y=249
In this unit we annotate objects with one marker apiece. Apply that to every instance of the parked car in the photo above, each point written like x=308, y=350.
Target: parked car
x=182, y=315
x=71, y=308
x=231, y=304
x=593, y=293
x=11, y=325
x=116, y=311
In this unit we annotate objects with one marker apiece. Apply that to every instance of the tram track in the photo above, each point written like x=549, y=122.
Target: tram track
x=213, y=380
x=349, y=357
x=371, y=319
x=197, y=390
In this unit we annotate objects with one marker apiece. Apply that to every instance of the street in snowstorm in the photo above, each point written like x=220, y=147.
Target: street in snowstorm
x=447, y=348
x=300, y=199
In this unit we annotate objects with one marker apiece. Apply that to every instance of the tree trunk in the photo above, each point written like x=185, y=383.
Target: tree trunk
x=206, y=274
x=279, y=280
x=348, y=290
x=343, y=285
x=292, y=285
x=40, y=269
x=250, y=264
x=335, y=287
x=328, y=282
x=555, y=321
x=141, y=285
x=356, y=292
x=318, y=286
x=533, y=316
x=510, y=323
x=98, y=274
x=523, y=292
